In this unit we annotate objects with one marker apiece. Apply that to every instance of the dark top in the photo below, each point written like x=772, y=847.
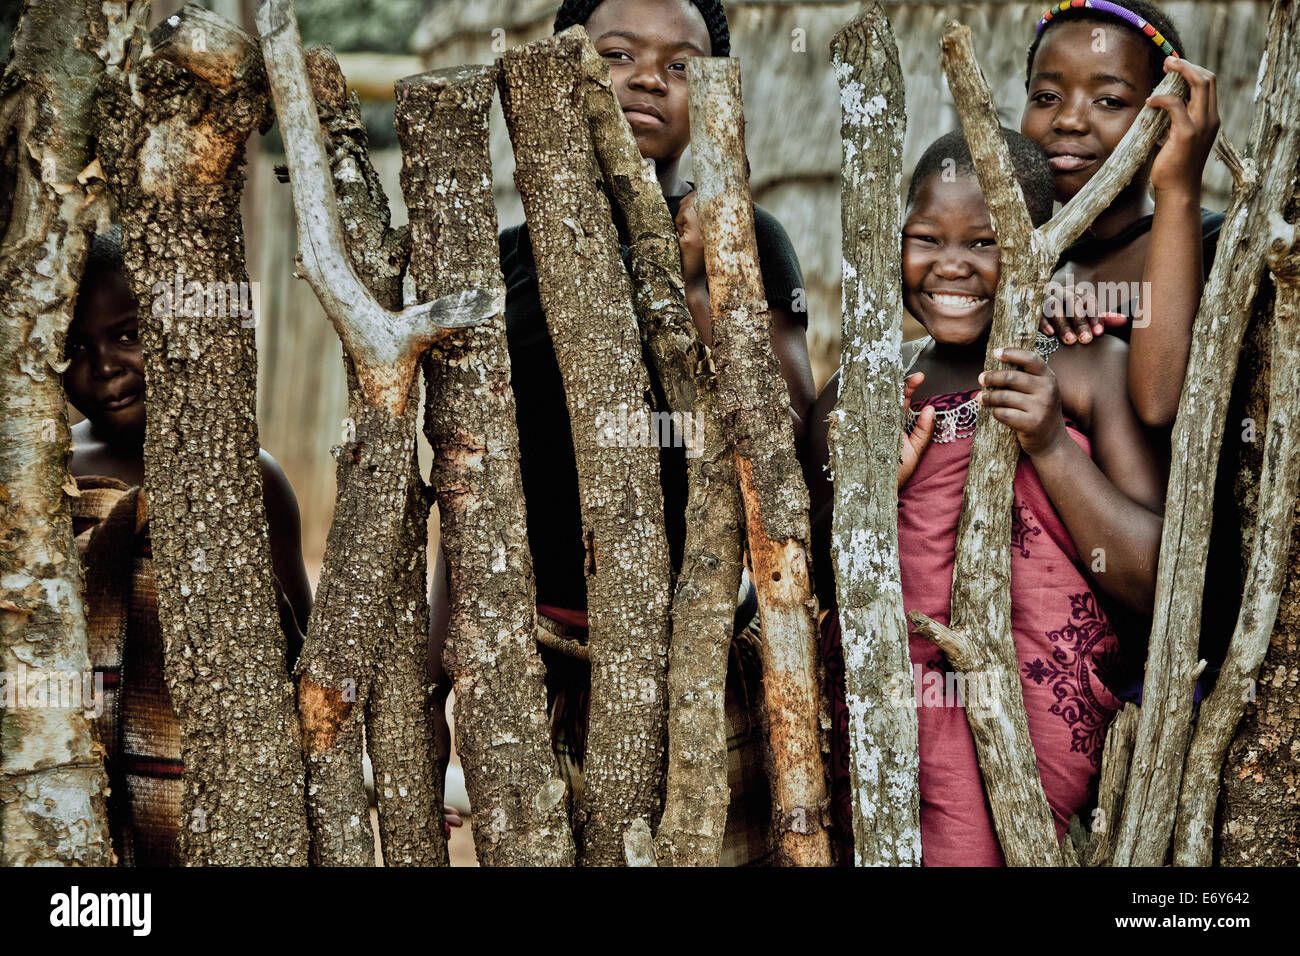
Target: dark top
x=550, y=474
x=1091, y=248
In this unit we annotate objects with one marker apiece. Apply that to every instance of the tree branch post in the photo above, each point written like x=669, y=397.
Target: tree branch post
x=1279, y=485
x=366, y=638
x=703, y=609
x=883, y=756
x=172, y=144
x=502, y=733
x=1164, y=729
x=52, y=780
x=755, y=405
x=586, y=297
x=981, y=589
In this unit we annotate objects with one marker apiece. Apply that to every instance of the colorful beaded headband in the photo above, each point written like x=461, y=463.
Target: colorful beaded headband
x=1105, y=6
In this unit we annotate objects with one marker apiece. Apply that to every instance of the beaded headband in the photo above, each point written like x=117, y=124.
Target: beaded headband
x=1105, y=6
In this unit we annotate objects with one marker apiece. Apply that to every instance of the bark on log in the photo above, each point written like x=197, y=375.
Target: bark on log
x=755, y=405
x=52, y=778
x=172, y=145
x=370, y=602
x=502, y=733
x=703, y=609
x=981, y=594
x=1155, y=778
x=587, y=300
x=883, y=758
x=1115, y=758
x=398, y=730
x=1266, y=577
x=1260, y=807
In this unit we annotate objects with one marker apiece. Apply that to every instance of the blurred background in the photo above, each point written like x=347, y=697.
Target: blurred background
x=792, y=131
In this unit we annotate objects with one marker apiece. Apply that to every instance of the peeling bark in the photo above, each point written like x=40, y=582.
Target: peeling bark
x=883, y=757
x=368, y=627
x=587, y=300
x=172, y=143
x=1115, y=758
x=502, y=733
x=398, y=728
x=980, y=630
x=755, y=404
x=52, y=779
x=1278, y=487
x=703, y=609
x=1155, y=778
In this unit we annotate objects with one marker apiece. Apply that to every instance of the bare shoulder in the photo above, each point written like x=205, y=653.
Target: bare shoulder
x=1091, y=375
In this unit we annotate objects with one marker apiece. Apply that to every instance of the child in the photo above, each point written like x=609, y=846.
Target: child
x=1090, y=70
x=646, y=44
x=1087, y=485
x=105, y=382
x=1088, y=74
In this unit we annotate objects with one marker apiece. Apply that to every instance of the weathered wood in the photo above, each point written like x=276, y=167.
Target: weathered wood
x=172, y=145
x=52, y=779
x=863, y=436
x=502, y=734
x=586, y=296
x=1279, y=484
x=1115, y=758
x=703, y=609
x=1165, y=725
x=981, y=588
x=755, y=403
x=370, y=603
x=398, y=731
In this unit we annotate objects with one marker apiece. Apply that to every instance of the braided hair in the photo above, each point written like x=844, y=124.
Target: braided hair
x=574, y=12
x=1146, y=10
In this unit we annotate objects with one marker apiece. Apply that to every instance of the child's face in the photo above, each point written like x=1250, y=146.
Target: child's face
x=105, y=375
x=1087, y=84
x=950, y=260
x=646, y=44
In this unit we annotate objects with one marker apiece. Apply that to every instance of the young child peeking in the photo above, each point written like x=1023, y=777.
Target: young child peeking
x=1087, y=485
x=105, y=382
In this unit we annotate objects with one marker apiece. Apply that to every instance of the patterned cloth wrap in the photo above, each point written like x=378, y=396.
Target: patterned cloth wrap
x=1064, y=644
x=562, y=640
x=138, y=728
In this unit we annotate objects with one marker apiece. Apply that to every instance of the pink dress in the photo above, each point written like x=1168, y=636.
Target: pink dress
x=1063, y=641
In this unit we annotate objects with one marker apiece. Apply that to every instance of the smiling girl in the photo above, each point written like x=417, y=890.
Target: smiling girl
x=1086, y=484
x=1091, y=69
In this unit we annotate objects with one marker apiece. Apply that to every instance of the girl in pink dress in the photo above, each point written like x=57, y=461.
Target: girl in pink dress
x=1086, y=519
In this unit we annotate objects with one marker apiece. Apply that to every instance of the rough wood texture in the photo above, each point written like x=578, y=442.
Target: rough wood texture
x=172, y=145
x=863, y=435
x=52, y=779
x=502, y=734
x=1266, y=577
x=1115, y=758
x=1165, y=726
x=774, y=498
x=398, y=731
x=366, y=639
x=586, y=295
x=703, y=610
x=981, y=589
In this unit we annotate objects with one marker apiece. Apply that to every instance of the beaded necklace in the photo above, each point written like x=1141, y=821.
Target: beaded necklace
x=959, y=421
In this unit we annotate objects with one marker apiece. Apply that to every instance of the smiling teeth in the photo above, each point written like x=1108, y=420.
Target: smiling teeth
x=958, y=300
